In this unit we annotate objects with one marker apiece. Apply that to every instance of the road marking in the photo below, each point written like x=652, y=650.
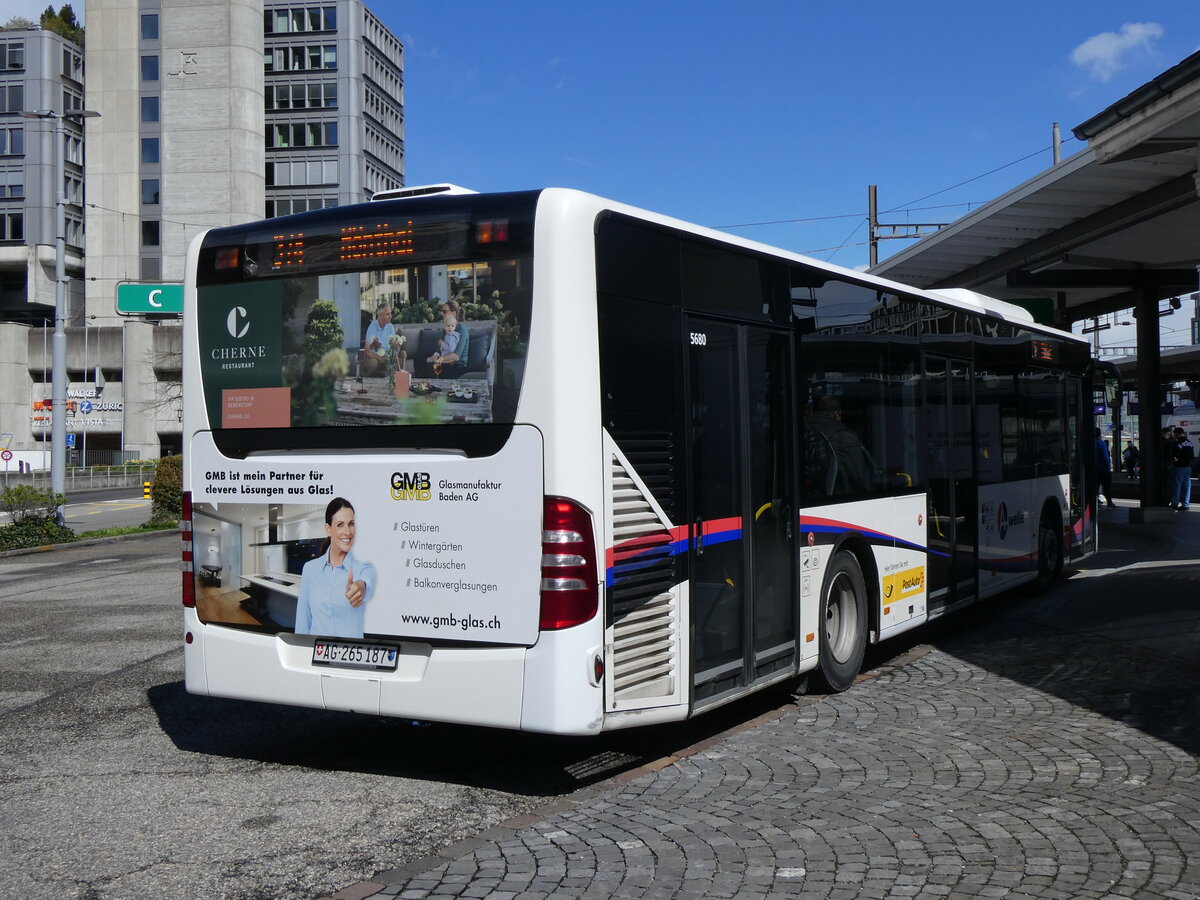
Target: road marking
x=1134, y=567
x=22, y=641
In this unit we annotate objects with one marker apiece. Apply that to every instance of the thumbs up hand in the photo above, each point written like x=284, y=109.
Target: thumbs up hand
x=355, y=590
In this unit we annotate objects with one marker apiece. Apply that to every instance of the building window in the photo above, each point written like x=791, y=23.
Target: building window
x=150, y=191
x=285, y=206
x=323, y=95
x=302, y=172
x=12, y=98
x=12, y=141
x=307, y=18
x=300, y=59
x=13, y=227
x=12, y=55
x=317, y=95
x=302, y=134
x=150, y=27
x=73, y=149
x=12, y=183
x=149, y=68
x=150, y=150
x=74, y=231
x=150, y=109
x=150, y=233
x=72, y=64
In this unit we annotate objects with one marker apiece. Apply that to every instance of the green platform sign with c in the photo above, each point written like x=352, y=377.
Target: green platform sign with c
x=149, y=299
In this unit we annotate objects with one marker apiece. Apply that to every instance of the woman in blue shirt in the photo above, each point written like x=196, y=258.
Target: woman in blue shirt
x=335, y=587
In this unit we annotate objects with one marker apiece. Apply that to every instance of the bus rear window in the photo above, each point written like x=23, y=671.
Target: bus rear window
x=424, y=344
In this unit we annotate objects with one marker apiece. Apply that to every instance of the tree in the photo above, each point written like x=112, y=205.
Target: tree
x=166, y=493
x=63, y=22
x=18, y=23
x=322, y=331
x=32, y=511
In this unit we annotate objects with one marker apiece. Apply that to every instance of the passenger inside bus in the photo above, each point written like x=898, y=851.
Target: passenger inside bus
x=836, y=459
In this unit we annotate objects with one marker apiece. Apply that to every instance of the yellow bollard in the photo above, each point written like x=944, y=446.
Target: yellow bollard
x=145, y=490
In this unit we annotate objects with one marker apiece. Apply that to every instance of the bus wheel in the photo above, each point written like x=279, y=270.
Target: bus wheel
x=1050, y=550
x=843, y=625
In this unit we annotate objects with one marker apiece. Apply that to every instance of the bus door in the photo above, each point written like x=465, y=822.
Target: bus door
x=953, y=508
x=743, y=591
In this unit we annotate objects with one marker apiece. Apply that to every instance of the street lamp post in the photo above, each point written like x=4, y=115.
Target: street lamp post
x=58, y=346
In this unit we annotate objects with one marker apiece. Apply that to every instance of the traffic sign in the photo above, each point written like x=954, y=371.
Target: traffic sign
x=149, y=299
x=5, y=454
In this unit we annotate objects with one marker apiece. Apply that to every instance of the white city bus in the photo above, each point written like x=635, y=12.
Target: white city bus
x=646, y=469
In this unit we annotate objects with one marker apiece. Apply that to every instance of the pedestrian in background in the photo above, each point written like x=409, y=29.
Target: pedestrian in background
x=1181, y=496
x=1132, y=459
x=1103, y=469
x=1167, y=451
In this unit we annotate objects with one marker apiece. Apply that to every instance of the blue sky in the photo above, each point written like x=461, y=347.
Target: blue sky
x=767, y=110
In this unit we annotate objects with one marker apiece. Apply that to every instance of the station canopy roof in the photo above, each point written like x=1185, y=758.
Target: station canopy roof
x=1098, y=231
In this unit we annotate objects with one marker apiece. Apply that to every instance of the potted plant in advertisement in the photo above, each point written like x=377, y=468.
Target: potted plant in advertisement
x=395, y=358
x=325, y=361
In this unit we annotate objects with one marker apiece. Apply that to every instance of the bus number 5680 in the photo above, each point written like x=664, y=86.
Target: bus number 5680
x=699, y=339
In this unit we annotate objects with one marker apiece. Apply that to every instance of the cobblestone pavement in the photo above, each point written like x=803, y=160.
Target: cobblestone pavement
x=1041, y=747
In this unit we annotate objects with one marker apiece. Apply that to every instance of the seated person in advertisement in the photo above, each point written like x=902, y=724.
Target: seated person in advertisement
x=450, y=359
x=335, y=587
x=375, y=342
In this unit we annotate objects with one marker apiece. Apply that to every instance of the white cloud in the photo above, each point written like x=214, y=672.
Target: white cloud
x=1103, y=55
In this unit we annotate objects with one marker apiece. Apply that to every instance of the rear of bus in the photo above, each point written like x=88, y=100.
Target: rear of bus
x=370, y=527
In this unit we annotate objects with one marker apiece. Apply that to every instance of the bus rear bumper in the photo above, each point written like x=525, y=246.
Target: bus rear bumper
x=475, y=685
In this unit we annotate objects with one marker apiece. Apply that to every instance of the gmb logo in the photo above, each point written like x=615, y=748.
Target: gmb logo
x=411, y=486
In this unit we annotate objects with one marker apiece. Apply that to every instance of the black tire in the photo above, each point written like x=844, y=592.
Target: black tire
x=842, y=628
x=1050, y=550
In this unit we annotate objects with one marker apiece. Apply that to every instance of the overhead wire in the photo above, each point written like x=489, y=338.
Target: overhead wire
x=908, y=207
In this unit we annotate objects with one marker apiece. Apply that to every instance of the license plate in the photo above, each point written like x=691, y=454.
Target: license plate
x=354, y=655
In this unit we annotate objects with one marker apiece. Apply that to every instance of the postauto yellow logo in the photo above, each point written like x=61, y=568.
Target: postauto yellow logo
x=900, y=585
x=411, y=486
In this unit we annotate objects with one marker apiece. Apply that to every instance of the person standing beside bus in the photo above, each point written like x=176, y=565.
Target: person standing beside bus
x=335, y=587
x=1181, y=460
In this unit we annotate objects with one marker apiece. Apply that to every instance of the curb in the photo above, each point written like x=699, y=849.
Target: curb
x=90, y=542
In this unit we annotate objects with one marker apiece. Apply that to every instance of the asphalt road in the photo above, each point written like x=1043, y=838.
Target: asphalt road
x=115, y=783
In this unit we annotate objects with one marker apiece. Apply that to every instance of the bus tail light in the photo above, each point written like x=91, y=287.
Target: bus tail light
x=185, y=525
x=569, y=583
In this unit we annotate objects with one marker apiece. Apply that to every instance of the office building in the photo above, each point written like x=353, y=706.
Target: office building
x=210, y=114
x=334, y=99
x=40, y=71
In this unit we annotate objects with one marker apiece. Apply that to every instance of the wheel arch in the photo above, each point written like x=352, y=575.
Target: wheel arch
x=859, y=547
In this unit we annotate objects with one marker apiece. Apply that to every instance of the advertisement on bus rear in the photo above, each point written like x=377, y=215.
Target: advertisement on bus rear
x=371, y=546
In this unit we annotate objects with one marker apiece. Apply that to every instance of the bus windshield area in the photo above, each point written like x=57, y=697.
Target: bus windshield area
x=428, y=344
